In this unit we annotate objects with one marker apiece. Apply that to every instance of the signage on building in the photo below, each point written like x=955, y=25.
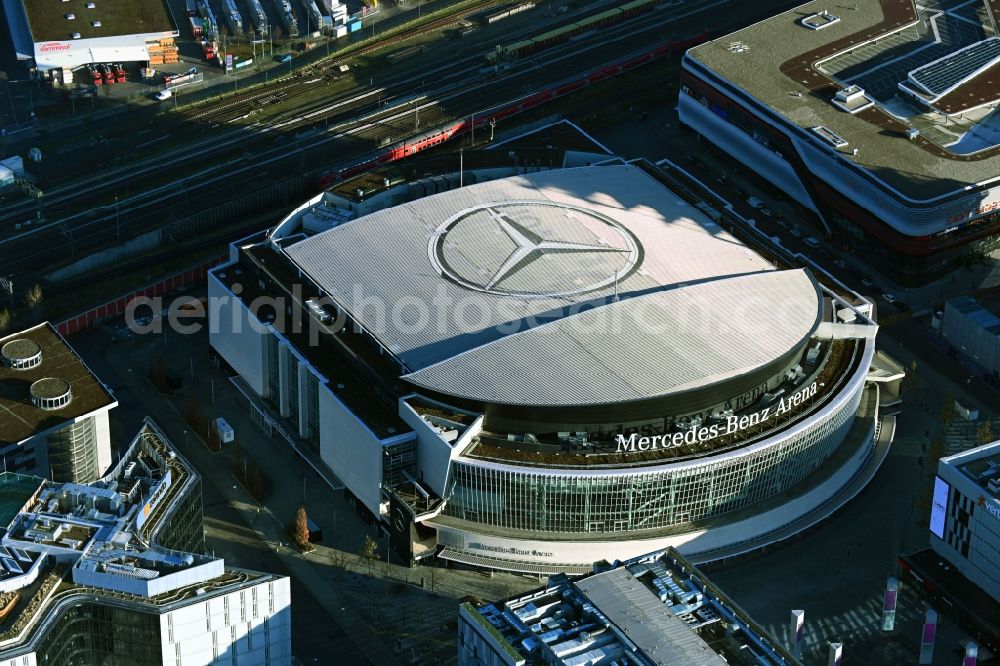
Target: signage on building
x=733, y=424
x=54, y=46
x=989, y=506
x=509, y=549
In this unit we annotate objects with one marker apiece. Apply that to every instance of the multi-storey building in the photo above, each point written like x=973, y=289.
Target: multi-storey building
x=110, y=573
x=53, y=410
x=878, y=116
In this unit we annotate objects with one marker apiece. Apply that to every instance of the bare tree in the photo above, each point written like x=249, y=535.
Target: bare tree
x=34, y=295
x=369, y=552
x=432, y=577
x=984, y=433
x=301, y=530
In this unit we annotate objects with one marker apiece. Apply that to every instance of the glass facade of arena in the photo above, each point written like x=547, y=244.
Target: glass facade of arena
x=73, y=452
x=616, y=502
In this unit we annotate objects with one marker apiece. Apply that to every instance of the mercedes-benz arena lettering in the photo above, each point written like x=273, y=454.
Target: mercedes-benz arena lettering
x=880, y=122
x=541, y=371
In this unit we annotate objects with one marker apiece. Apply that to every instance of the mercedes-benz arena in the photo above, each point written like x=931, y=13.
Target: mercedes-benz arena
x=541, y=371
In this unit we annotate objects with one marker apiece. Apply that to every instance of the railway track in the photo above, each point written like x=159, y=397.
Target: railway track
x=459, y=89
x=328, y=66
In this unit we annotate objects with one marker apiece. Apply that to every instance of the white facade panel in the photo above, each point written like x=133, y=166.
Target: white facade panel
x=73, y=53
x=236, y=334
x=248, y=627
x=351, y=451
x=435, y=454
x=103, y=441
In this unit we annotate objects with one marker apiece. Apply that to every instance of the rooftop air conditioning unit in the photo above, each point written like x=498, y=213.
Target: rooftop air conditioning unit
x=75, y=35
x=70, y=17
x=96, y=24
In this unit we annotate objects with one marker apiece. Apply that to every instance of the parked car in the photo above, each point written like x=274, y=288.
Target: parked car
x=889, y=298
x=811, y=242
x=284, y=57
x=796, y=232
x=767, y=212
x=867, y=282
x=164, y=94
x=754, y=202
x=840, y=263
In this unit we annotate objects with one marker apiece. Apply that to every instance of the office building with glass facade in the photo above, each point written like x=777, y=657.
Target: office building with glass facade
x=112, y=572
x=538, y=372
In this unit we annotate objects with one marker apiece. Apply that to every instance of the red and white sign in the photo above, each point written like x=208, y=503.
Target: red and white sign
x=54, y=46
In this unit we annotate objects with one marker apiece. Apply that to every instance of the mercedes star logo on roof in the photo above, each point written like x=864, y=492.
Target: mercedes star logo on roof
x=533, y=249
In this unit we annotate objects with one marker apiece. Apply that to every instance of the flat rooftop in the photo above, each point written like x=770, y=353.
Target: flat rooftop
x=47, y=18
x=796, y=71
x=657, y=606
x=981, y=465
x=19, y=418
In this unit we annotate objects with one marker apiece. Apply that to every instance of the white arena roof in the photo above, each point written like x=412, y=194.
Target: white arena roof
x=574, y=286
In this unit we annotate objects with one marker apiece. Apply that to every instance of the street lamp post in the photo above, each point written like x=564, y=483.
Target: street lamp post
x=118, y=224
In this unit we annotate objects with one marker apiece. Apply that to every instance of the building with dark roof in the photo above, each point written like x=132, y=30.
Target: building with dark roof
x=879, y=117
x=539, y=371
x=654, y=609
x=53, y=410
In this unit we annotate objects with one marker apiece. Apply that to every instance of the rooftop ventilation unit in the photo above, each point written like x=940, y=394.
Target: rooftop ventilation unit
x=820, y=20
x=829, y=136
x=70, y=17
x=21, y=354
x=852, y=99
x=50, y=393
x=738, y=47
x=75, y=35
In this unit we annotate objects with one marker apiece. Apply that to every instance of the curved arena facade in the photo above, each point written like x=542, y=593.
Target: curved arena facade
x=536, y=372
